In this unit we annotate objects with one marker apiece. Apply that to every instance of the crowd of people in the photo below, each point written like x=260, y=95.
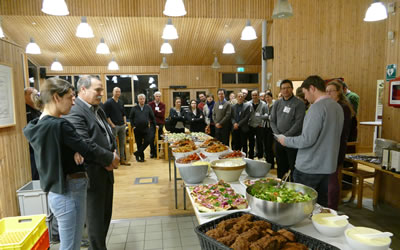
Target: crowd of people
x=74, y=140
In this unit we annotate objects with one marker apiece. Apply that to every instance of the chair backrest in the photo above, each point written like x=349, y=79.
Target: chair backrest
x=156, y=136
x=351, y=147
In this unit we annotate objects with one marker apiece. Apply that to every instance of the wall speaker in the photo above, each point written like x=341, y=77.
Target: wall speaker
x=268, y=52
x=42, y=72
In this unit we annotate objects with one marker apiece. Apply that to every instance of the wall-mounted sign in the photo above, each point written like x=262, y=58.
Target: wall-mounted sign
x=240, y=69
x=394, y=92
x=391, y=71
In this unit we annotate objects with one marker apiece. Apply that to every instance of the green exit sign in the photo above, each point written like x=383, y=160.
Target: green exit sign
x=240, y=69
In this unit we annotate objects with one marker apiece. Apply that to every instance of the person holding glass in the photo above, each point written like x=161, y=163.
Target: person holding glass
x=59, y=153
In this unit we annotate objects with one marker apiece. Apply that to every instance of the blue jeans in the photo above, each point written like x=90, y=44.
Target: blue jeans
x=70, y=210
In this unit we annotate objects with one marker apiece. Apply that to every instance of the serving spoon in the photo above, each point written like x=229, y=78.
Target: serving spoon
x=375, y=235
x=336, y=218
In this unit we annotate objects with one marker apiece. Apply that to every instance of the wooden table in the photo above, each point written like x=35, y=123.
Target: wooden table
x=376, y=124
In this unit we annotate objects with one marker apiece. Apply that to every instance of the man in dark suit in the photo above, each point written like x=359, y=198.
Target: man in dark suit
x=91, y=123
x=241, y=112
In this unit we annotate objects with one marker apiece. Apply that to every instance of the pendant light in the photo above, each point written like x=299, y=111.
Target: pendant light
x=174, y=8
x=215, y=64
x=56, y=65
x=102, y=48
x=228, y=48
x=166, y=48
x=376, y=12
x=113, y=65
x=169, y=31
x=135, y=78
x=55, y=7
x=164, y=64
x=248, y=33
x=84, y=30
x=282, y=9
x=1, y=30
x=32, y=47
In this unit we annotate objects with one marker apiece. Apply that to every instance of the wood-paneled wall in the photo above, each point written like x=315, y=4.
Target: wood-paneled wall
x=15, y=168
x=330, y=39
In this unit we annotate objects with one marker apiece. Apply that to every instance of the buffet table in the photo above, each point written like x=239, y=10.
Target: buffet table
x=304, y=227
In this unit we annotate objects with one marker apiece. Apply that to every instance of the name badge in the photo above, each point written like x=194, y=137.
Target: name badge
x=221, y=106
x=286, y=109
x=157, y=108
x=257, y=114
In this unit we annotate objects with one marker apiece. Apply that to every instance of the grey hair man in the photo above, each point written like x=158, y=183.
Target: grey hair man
x=159, y=113
x=91, y=123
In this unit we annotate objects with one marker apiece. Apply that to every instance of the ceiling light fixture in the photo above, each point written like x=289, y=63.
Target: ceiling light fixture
x=166, y=48
x=376, y=12
x=215, y=64
x=248, y=33
x=1, y=30
x=169, y=31
x=282, y=9
x=135, y=78
x=174, y=8
x=55, y=7
x=228, y=48
x=102, y=48
x=113, y=65
x=84, y=30
x=32, y=47
x=56, y=65
x=164, y=64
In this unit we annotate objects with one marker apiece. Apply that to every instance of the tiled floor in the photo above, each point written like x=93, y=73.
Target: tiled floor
x=161, y=232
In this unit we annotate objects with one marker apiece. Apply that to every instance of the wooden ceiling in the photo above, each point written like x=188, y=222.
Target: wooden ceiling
x=132, y=29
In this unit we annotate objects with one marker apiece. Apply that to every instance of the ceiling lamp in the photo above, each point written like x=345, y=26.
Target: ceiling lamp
x=1, y=30
x=376, y=12
x=174, y=8
x=102, y=48
x=215, y=64
x=228, y=48
x=248, y=33
x=113, y=65
x=283, y=9
x=166, y=48
x=55, y=7
x=56, y=65
x=164, y=64
x=32, y=47
x=135, y=78
x=84, y=30
x=169, y=31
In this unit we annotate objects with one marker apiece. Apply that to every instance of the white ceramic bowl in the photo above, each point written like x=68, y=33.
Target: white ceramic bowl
x=193, y=174
x=180, y=155
x=356, y=243
x=256, y=168
x=228, y=170
x=331, y=229
x=215, y=155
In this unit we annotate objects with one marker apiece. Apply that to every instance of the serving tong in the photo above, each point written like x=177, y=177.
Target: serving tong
x=284, y=179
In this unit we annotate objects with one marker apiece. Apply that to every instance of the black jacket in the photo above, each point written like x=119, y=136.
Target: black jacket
x=175, y=117
x=197, y=122
x=141, y=119
x=243, y=117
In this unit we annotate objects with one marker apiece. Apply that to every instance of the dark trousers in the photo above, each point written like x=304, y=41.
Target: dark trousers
x=99, y=211
x=334, y=190
x=153, y=133
x=222, y=134
x=34, y=171
x=239, y=140
x=317, y=181
x=268, y=146
x=212, y=130
x=256, y=137
x=285, y=159
x=142, y=138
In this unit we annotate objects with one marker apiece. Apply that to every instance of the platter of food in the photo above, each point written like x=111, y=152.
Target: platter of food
x=173, y=137
x=233, y=154
x=184, y=150
x=209, y=142
x=249, y=182
x=215, y=150
x=216, y=199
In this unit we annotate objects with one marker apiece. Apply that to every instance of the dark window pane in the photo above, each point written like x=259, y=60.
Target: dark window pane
x=228, y=78
x=147, y=85
x=185, y=97
x=124, y=83
x=33, y=75
x=248, y=77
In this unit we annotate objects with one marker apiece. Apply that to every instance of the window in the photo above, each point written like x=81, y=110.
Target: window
x=240, y=78
x=124, y=83
x=147, y=85
x=33, y=75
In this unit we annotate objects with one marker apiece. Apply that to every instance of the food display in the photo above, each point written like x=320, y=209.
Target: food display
x=184, y=149
x=189, y=159
x=199, y=136
x=272, y=181
x=173, y=137
x=209, y=142
x=217, y=197
x=234, y=154
x=182, y=142
x=245, y=233
x=216, y=148
x=270, y=192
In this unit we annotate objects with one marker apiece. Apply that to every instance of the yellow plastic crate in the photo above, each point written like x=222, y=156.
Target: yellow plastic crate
x=21, y=233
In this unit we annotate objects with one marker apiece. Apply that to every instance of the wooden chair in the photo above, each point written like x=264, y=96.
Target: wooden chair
x=160, y=144
x=130, y=139
x=358, y=177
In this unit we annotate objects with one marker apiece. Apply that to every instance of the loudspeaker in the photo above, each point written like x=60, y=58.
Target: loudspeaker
x=268, y=52
x=42, y=72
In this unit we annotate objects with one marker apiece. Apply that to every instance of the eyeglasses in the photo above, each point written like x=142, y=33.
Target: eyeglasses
x=330, y=91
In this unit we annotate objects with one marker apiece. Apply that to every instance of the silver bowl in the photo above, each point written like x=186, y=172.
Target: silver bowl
x=285, y=214
x=193, y=174
x=256, y=168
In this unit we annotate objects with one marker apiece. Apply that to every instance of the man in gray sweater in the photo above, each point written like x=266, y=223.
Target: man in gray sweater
x=256, y=124
x=287, y=117
x=222, y=118
x=319, y=142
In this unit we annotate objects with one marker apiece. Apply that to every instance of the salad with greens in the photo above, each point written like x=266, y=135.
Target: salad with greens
x=270, y=192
